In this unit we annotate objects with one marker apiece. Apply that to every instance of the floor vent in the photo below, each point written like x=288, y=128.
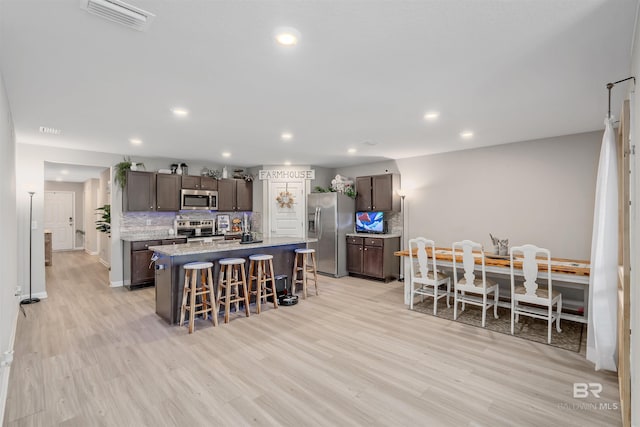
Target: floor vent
x=120, y=12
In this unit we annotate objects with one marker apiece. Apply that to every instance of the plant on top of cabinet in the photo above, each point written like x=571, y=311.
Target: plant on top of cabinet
x=120, y=171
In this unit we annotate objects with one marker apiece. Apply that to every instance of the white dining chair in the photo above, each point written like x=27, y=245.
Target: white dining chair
x=469, y=284
x=530, y=293
x=428, y=282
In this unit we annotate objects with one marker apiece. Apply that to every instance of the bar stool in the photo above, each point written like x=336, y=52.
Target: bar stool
x=261, y=271
x=304, y=263
x=191, y=291
x=232, y=275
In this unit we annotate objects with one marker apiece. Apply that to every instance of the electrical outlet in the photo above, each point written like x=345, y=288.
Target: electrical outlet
x=6, y=358
x=18, y=291
x=34, y=225
x=148, y=222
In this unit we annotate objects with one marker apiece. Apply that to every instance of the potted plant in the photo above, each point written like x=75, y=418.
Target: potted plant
x=104, y=223
x=120, y=171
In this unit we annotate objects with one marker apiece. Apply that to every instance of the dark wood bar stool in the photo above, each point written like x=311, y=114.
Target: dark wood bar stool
x=232, y=275
x=261, y=272
x=192, y=290
x=304, y=264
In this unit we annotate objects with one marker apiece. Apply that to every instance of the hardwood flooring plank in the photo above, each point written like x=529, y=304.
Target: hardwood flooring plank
x=353, y=356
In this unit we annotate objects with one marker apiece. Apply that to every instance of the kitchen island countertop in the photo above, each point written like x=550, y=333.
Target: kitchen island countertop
x=169, y=271
x=226, y=245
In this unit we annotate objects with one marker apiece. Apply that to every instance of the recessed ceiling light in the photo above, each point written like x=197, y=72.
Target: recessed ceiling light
x=351, y=150
x=431, y=115
x=135, y=141
x=50, y=130
x=180, y=112
x=286, y=136
x=64, y=172
x=226, y=154
x=466, y=134
x=287, y=163
x=287, y=36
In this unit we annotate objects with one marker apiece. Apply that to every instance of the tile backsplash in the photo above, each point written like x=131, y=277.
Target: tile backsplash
x=394, y=222
x=156, y=222
x=146, y=222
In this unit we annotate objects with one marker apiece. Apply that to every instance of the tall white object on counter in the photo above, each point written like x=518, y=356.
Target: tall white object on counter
x=330, y=218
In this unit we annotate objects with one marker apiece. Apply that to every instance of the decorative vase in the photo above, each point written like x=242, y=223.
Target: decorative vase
x=134, y=166
x=224, y=173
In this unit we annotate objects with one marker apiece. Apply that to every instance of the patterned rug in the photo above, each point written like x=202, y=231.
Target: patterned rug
x=529, y=328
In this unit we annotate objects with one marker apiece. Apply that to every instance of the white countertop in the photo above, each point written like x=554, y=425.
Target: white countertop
x=156, y=235
x=373, y=235
x=138, y=237
x=226, y=245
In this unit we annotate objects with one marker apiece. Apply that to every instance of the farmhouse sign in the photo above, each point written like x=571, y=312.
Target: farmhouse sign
x=286, y=174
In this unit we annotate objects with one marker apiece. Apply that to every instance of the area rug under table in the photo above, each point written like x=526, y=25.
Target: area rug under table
x=527, y=328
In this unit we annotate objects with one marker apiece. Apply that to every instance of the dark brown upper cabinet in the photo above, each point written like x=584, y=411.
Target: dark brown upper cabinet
x=235, y=195
x=378, y=193
x=149, y=191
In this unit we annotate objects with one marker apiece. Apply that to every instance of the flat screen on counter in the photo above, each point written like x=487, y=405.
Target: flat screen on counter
x=369, y=222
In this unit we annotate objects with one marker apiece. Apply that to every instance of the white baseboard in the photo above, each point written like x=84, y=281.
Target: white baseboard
x=91, y=252
x=5, y=371
x=41, y=295
x=117, y=284
x=105, y=263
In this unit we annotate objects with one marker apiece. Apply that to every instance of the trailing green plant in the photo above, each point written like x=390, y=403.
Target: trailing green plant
x=319, y=189
x=104, y=223
x=351, y=192
x=214, y=173
x=120, y=171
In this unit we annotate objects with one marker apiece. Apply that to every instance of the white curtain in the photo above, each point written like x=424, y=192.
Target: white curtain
x=603, y=280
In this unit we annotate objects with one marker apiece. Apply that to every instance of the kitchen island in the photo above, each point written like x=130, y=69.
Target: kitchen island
x=169, y=273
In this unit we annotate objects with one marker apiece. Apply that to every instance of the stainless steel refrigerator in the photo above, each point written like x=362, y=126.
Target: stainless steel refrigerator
x=330, y=218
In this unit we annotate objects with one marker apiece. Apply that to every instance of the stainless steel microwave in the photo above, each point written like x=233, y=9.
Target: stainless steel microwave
x=199, y=199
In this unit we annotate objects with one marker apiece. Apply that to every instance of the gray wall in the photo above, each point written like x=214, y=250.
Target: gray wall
x=323, y=177
x=8, y=242
x=539, y=192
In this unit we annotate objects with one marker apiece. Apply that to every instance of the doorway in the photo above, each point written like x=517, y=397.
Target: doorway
x=287, y=205
x=59, y=214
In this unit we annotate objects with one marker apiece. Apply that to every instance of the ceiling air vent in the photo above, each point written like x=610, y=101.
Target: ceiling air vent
x=120, y=12
x=50, y=130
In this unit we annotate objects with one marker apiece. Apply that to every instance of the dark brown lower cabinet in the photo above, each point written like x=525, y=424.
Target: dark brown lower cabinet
x=373, y=257
x=138, y=269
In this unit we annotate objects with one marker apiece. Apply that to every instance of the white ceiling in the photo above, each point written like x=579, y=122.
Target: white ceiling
x=363, y=71
x=70, y=173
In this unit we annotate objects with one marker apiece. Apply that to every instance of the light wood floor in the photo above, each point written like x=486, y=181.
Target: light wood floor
x=355, y=355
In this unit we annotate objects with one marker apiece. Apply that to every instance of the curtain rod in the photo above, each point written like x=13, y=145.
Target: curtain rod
x=611, y=85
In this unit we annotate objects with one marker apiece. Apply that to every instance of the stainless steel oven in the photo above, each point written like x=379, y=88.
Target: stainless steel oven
x=199, y=200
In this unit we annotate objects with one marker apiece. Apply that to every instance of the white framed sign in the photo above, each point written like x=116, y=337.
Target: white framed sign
x=286, y=174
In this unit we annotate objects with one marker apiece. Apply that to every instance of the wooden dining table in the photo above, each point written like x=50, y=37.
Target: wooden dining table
x=565, y=273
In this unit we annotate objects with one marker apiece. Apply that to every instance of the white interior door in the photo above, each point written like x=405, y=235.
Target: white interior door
x=59, y=218
x=287, y=206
